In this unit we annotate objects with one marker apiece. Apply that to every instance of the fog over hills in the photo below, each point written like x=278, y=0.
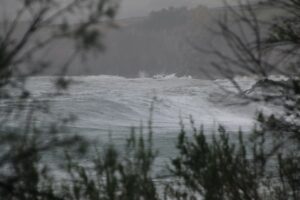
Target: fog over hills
x=132, y=8
x=156, y=44
x=161, y=43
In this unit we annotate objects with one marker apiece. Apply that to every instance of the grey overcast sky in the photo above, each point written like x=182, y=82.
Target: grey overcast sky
x=133, y=8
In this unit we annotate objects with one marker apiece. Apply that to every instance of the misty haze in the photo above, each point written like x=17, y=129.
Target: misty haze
x=146, y=84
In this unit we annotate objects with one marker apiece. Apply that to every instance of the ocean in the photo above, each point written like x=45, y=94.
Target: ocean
x=106, y=107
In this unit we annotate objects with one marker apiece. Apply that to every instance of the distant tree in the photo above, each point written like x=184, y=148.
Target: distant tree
x=200, y=14
x=165, y=19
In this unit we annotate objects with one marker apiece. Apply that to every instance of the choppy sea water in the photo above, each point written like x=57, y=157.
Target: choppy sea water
x=112, y=105
x=108, y=103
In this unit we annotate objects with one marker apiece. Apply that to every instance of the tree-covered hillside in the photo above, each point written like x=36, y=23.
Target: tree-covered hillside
x=166, y=41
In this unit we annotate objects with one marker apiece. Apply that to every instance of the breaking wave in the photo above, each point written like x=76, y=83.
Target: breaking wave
x=114, y=103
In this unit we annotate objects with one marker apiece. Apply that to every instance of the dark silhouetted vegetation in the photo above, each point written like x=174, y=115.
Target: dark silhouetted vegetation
x=262, y=164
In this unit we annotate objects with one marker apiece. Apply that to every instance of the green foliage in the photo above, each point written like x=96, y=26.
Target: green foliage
x=214, y=170
x=231, y=167
x=114, y=176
